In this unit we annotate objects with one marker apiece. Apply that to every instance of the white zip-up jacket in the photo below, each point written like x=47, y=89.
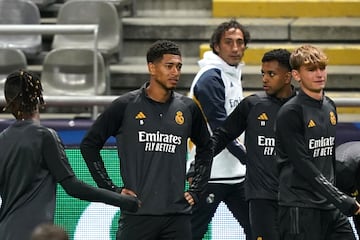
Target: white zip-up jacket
x=217, y=89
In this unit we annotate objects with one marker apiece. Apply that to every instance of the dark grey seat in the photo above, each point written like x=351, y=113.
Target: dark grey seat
x=121, y=5
x=102, y=13
x=43, y=3
x=11, y=59
x=20, y=12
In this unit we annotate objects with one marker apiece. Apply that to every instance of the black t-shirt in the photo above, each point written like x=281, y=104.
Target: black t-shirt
x=32, y=161
x=255, y=115
x=305, y=147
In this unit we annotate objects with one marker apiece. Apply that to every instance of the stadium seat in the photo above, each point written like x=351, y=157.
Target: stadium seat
x=102, y=13
x=43, y=3
x=129, y=5
x=11, y=59
x=20, y=12
x=69, y=71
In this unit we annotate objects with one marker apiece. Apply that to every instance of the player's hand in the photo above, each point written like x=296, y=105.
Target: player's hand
x=131, y=193
x=189, y=198
x=126, y=191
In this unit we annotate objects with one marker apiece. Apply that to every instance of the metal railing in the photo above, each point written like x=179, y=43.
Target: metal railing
x=86, y=101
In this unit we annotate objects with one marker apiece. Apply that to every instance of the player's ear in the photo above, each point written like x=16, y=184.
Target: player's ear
x=151, y=68
x=296, y=75
x=288, y=77
x=216, y=48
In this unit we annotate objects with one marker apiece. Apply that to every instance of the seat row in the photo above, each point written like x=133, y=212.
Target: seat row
x=66, y=71
x=102, y=13
x=68, y=68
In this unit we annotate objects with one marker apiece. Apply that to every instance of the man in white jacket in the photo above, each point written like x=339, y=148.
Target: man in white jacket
x=217, y=89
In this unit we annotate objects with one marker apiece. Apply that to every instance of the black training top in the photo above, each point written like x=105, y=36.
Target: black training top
x=31, y=162
x=152, y=143
x=305, y=139
x=348, y=168
x=255, y=115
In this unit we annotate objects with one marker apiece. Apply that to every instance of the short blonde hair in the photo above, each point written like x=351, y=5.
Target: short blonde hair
x=308, y=55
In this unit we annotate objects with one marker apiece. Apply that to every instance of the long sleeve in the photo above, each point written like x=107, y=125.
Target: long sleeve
x=210, y=95
x=234, y=125
x=105, y=126
x=78, y=189
x=203, y=157
x=293, y=147
x=60, y=168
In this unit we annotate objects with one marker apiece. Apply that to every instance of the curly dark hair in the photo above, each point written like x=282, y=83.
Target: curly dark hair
x=23, y=92
x=225, y=26
x=161, y=47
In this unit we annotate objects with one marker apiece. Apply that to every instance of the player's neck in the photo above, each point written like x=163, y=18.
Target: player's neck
x=29, y=116
x=318, y=95
x=158, y=94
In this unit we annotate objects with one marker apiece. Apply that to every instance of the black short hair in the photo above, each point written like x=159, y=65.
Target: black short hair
x=161, y=47
x=225, y=26
x=48, y=231
x=280, y=55
x=24, y=90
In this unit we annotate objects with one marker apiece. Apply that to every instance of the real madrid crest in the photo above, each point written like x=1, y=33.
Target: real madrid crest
x=332, y=118
x=179, y=118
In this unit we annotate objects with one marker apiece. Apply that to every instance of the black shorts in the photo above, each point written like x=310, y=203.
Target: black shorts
x=175, y=227
x=264, y=219
x=314, y=224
